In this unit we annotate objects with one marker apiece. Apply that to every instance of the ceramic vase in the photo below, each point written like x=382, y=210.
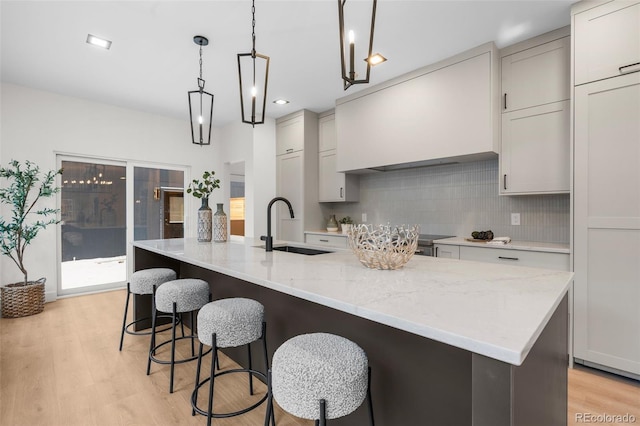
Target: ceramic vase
x=332, y=224
x=204, y=221
x=220, y=225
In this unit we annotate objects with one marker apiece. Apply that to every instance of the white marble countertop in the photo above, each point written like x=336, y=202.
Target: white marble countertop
x=513, y=245
x=493, y=310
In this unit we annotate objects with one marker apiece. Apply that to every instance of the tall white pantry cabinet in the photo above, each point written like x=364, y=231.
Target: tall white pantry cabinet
x=607, y=185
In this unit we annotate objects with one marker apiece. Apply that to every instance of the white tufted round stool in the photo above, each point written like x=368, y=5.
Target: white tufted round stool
x=144, y=281
x=319, y=376
x=177, y=297
x=229, y=323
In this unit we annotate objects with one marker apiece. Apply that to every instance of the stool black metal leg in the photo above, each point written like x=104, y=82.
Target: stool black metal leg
x=194, y=397
x=369, y=399
x=268, y=415
x=214, y=355
x=173, y=346
x=250, y=368
x=152, y=341
x=323, y=412
x=264, y=345
x=182, y=324
x=124, y=319
x=193, y=351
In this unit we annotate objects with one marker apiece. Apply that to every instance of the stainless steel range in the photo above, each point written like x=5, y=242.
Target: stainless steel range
x=425, y=244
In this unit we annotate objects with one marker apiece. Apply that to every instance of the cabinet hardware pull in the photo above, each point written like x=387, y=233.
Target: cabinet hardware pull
x=507, y=258
x=628, y=66
x=290, y=150
x=505, y=101
x=505, y=181
x=436, y=252
x=341, y=190
x=324, y=241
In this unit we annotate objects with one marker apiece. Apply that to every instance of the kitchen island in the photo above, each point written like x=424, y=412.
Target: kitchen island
x=449, y=342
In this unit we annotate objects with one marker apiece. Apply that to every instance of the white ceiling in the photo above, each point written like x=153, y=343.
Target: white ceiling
x=153, y=61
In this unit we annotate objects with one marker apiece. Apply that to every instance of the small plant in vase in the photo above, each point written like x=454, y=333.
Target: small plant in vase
x=26, y=188
x=202, y=189
x=346, y=223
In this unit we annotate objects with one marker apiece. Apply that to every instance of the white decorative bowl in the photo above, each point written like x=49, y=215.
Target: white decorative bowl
x=383, y=247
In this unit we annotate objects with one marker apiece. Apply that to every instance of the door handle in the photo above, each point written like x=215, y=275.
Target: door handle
x=505, y=101
x=505, y=181
x=341, y=191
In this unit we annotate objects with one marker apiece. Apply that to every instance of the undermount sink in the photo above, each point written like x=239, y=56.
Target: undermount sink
x=299, y=250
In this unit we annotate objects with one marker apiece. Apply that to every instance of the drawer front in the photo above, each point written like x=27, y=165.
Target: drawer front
x=326, y=240
x=534, y=259
x=447, y=251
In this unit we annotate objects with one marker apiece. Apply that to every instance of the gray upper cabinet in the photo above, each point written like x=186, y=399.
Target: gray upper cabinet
x=448, y=110
x=535, y=145
x=609, y=42
x=333, y=186
x=290, y=135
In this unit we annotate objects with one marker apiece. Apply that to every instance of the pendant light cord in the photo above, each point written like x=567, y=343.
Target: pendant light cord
x=253, y=28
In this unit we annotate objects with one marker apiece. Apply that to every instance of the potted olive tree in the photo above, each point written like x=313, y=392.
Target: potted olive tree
x=26, y=185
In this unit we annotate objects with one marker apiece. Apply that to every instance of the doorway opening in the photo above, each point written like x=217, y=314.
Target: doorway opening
x=237, y=198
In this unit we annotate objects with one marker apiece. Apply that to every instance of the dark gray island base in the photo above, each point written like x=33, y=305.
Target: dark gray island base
x=415, y=380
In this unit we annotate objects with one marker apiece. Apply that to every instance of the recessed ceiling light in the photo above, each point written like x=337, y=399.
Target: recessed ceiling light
x=281, y=102
x=375, y=59
x=97, y=41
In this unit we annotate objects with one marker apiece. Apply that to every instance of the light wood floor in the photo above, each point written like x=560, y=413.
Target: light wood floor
x=63, y=367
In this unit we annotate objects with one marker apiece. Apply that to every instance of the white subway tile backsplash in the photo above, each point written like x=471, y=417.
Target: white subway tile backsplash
x=457, y=199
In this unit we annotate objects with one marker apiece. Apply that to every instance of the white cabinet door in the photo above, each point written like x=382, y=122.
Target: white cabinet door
x=536, y=76
x=289, y=170
x=607, y=41
x=290, y=135
x=607, y=223
x=327, y=133
x=535, y=150
x=331, y=183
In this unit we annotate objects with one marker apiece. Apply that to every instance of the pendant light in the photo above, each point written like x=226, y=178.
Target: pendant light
x=252, y=65
x=349, y=76
x=200, y=105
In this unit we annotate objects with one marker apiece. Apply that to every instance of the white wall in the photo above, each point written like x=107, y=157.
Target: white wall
x=35, y=125
x=257, y=148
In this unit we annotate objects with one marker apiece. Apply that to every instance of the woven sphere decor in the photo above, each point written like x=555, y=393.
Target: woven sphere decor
x=384, y=246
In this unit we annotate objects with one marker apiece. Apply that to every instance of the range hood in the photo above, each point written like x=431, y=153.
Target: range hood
x=427, y=163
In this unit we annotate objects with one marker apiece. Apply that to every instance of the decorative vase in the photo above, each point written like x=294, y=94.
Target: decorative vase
x=345, y=227
x=204, y=221
x=220, y=225
x=332, y=224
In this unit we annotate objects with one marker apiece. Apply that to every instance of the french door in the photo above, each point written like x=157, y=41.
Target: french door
x=104, y=206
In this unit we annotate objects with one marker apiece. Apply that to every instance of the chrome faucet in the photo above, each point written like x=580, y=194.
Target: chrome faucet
x=268, y=246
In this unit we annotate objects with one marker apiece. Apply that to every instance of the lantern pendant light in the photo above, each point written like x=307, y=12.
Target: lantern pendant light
x=254, y=64
x=349, y=77
x=200, y=105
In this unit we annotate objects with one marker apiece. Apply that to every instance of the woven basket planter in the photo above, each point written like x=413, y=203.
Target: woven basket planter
x=20, y=300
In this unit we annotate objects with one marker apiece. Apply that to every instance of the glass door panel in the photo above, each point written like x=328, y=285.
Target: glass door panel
x=93, y=228
x=158, y=209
